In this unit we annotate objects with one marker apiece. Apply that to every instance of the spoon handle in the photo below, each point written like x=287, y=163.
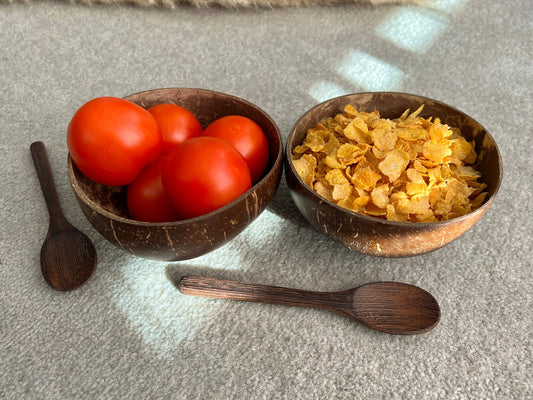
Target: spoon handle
x=234, y=290
x=46, y=179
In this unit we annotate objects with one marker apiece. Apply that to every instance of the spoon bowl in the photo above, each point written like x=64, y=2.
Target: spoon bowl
x=390, y=307
x=411, y=309
x=68, y=257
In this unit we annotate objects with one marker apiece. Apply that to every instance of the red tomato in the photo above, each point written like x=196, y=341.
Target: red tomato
x=111, y=140
x=247, y=137
x=203, y=174
x=146, y=198
x=176, y=123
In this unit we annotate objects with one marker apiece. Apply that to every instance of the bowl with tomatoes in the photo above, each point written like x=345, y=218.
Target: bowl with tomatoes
x=172, y=174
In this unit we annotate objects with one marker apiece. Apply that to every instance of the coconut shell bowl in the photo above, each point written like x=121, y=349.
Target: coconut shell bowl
x=382, y=237
x=105, y=206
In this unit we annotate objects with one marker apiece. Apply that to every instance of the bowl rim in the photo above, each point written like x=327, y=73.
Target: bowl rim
x=276, y=165
x=481, y=210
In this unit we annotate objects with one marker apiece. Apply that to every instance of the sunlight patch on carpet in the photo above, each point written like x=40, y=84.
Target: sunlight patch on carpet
x=369, y=72
x=417, y=29
x=155, y=309
x=325, y=90
x=162, y=317
x=413, y=29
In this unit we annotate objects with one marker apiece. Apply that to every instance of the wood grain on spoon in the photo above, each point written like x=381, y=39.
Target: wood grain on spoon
x=68, y=257
x=390, y=307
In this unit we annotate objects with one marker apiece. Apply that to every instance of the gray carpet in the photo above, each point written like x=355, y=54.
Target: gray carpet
x=237, y=3
x=129, y=334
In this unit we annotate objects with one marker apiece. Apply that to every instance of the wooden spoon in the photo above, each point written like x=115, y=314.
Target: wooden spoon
x=68, y=257
x=390, y=307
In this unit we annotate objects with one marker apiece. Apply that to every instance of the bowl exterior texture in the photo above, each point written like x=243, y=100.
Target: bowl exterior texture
x=105, y=206
x=375, y=236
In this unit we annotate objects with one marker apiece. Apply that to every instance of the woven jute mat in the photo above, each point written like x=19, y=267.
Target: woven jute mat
x=236, y=3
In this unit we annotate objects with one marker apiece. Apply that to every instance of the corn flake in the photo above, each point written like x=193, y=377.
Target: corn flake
x=380, y=196
x=394, y=164
x=365, y=178
x=305, y=166
x=336, y=177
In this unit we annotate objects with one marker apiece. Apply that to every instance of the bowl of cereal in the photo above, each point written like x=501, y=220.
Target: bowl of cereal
x=107, y=210
x=391, y=174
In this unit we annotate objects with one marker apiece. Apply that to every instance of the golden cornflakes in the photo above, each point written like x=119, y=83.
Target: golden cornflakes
x=394, y=164
x=406, y=169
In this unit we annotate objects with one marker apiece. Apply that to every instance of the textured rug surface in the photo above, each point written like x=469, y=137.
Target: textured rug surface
x=240, y=3
x=129, y=334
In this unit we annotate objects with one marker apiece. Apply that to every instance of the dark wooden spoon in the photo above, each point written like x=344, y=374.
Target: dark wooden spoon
x=68, y=257
x=390, y=307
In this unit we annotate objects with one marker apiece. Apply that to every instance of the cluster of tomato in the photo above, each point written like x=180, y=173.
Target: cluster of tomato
x=174, y=169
